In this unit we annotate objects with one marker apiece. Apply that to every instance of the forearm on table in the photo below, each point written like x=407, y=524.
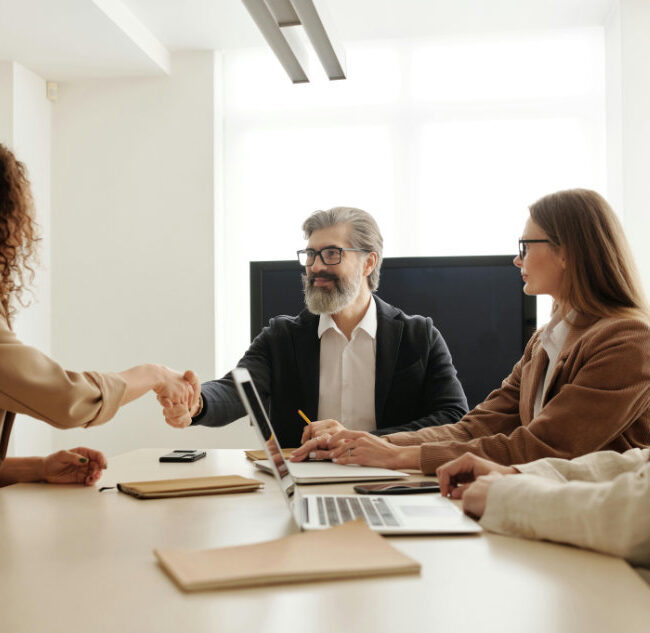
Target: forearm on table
x=21, y=470
x=611, y=517
x=464, y=431
x=594, y=467
x=523, y=445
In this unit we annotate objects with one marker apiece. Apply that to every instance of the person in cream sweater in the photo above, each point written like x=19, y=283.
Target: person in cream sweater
x=599, y=501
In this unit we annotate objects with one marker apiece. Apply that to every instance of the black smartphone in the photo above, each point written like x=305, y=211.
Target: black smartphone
x=397, y=488
x=182, y=455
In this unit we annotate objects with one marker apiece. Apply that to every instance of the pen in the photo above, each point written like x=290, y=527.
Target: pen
x=304, y=417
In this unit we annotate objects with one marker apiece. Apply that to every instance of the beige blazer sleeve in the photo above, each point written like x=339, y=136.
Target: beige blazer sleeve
x=609, y=515
x=33, y=384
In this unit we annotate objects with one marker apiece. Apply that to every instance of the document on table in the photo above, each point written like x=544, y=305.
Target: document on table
x=189, y=486
x=351, y=550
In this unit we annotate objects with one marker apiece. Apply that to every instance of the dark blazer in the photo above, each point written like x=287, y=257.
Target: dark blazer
x=415, y=380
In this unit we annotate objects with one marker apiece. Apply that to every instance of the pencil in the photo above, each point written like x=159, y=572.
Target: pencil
x=304, y=417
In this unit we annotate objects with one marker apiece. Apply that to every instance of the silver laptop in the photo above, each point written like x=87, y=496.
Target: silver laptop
x=407, y=514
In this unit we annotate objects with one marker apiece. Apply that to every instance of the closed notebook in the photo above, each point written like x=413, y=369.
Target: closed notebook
x=189, y=486
x=351, y=550
x=261, y=454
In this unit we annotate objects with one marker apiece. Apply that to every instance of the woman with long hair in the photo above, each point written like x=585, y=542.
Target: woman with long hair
x=33, y=384
x=583, y=383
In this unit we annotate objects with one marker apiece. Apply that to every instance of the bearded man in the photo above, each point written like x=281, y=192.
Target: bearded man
x=349, y=360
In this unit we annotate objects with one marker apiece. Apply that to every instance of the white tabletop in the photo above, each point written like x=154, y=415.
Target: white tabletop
x=72, y=558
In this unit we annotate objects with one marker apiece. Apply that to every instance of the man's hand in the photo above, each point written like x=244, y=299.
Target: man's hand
x=77, y=466
x=179, y=413
x=320, y=428
x=454, y=476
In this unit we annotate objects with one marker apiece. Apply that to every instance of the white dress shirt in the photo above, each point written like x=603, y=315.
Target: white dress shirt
x=347, y=372
x=552, y=340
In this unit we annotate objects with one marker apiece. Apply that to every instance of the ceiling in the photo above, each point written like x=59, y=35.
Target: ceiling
x=72, y=39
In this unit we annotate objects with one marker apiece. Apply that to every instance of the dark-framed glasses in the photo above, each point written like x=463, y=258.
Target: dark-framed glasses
x=523, y=243
x=330, y=255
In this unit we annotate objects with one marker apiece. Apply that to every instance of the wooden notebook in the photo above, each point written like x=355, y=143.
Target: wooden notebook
x=351, y=550
x=257, y=455
x=189, y=486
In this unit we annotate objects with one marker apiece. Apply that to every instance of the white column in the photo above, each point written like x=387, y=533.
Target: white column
x=628, y=121
x=25, y=127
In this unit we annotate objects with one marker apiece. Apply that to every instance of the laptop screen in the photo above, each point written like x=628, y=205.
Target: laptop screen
x=260, y=420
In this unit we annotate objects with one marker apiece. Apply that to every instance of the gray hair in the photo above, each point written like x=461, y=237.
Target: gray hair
x=365, y=233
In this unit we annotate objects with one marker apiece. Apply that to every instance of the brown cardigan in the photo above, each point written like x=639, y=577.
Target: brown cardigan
x=33, y=384
x=598, y=399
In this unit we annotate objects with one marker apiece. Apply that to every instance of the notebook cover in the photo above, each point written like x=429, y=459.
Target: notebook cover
x=260, y=454
x=353, y=550
x=188, y=486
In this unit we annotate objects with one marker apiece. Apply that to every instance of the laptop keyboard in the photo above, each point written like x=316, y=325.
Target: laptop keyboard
x=337, y=510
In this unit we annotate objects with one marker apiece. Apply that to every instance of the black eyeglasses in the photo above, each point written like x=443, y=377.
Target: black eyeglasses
x=522, y=246
x=330, y=255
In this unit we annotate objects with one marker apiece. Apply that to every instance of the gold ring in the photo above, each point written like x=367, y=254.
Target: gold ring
x=349, y=452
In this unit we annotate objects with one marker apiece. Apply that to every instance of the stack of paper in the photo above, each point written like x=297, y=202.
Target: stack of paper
x=351, y=550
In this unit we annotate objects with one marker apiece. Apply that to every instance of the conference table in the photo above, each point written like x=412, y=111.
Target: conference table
x=74, y=558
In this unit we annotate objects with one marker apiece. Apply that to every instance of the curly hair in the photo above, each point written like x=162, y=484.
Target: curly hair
x=18, y=233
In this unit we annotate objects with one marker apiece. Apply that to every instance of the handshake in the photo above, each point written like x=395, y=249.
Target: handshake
x=179, y=395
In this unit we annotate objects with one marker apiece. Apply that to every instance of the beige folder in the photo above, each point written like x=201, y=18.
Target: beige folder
x=351, y=550
x=261, y=454
x=189, y=486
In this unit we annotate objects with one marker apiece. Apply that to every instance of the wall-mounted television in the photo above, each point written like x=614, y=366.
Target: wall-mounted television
x=476, y=302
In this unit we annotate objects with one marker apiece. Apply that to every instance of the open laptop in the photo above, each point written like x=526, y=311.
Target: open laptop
x=316, y=472
x=406, y=514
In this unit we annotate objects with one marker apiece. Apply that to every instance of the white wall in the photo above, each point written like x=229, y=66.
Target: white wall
x=25, y=126
x=135, y=186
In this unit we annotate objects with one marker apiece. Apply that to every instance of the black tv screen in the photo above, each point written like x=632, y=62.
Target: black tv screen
x=477, y=304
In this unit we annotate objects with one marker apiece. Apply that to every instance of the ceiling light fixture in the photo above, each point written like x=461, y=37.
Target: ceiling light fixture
x=277, y=19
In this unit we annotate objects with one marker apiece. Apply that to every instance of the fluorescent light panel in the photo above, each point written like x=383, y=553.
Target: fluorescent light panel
x=270, y=30
x=277, y=19
x=330, y=56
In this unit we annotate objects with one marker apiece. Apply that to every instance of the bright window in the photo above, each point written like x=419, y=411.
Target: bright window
x=445, y=142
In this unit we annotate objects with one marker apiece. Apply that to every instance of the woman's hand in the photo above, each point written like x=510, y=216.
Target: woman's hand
x=320, y=428
x=180, y=391
x=359, y=447
x=179, y=414
x=174, y=387
x=475, y=495
x=77, y=466
x=454, y=476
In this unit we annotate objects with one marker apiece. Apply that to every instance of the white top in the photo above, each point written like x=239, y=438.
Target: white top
x=552, y=340
x=347, y=372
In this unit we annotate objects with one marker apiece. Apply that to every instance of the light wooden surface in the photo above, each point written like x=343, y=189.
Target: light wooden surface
x=72, y=558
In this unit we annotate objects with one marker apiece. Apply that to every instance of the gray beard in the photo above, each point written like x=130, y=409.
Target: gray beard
x=324, y=301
